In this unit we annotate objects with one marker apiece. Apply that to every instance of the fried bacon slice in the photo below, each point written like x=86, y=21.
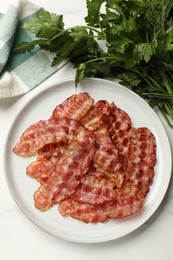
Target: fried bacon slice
x=90, y=213
x=42, y=168
x=127, y=202
x=141, y=176
x=107, y=158
x=74, y=107
x=141, y=158
x=96, y=116
x=71, y=166
x=119, y=126
x=95, y=188
x=32, y=130
x=142, y=148
x=60, y=132
x=45, y=163
x=107, y=155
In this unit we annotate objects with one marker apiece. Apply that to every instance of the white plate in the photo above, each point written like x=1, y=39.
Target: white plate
x=39, y=106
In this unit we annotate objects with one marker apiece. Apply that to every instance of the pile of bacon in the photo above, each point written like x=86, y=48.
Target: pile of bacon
x=90, y=160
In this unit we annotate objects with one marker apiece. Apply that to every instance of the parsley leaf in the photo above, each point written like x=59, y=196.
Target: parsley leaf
x=93, y=17
x=28, y=46
x=46, y=25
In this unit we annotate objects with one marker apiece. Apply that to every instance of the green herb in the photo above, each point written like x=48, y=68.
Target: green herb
x=138, y=35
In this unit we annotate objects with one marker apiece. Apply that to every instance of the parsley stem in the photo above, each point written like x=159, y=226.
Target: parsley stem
x=165, y=115
x=157, y=94
x=71, y=28
x=149, y=80
x=167, y=109
x=165, y=82
x=114, y=58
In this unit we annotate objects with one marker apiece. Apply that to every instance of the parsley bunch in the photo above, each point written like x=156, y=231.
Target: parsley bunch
x=138, y=35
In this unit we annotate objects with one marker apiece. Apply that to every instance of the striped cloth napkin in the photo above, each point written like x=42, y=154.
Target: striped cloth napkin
x=22, y=72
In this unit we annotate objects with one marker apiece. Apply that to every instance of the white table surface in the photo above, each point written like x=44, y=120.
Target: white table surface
x=21, y=239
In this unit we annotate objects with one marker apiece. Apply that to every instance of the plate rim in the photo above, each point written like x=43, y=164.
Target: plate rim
x=34, y=94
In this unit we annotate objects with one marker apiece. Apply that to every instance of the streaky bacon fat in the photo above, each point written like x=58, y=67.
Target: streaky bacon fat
x=96, y=116
x=107, y=158
x=119, y=126
x=95, y=188
x=142, y=147
x=126, y=203
x=74, y=107
x=55, y=132
x=141, y=158
x=71, y=166
x=42, y=168
x=90, y=213
x=107, y=155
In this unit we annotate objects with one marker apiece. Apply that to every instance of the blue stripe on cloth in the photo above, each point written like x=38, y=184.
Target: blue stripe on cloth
x=17, y=59
x=10, y=18
x=32, y=73
x=8, y=25
x=22, y=36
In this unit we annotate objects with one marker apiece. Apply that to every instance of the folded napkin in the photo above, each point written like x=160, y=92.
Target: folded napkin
x=22, y=72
